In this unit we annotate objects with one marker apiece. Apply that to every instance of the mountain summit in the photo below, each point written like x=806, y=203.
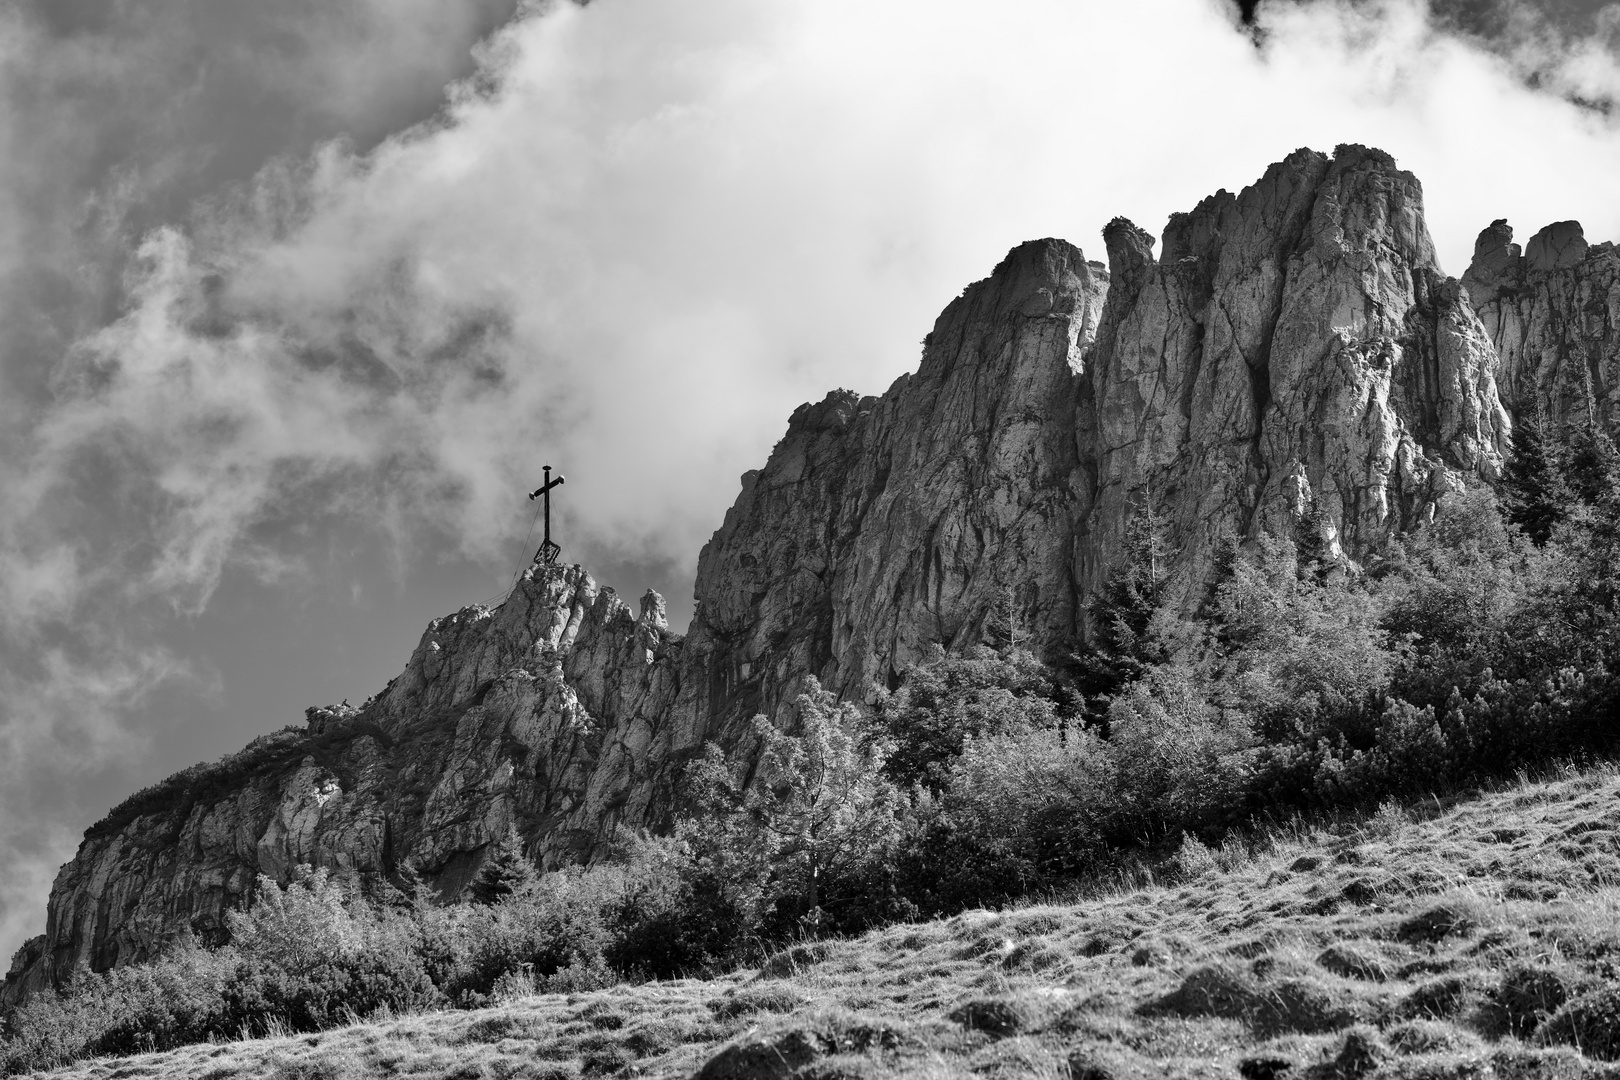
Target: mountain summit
x=1293, y=359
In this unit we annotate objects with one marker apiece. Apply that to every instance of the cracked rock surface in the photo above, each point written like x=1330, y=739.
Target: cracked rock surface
x=1553, y=315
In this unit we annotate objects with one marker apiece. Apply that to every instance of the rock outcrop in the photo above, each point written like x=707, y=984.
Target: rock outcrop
x=551, y=712
x=1296, y=344
x=880, y=525
x=1553, y=315
x=1294, y=350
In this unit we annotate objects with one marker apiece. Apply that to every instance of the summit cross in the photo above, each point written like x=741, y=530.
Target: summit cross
x=548, y=551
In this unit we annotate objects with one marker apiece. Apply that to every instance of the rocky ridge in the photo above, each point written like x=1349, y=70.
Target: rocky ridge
x=1293, y=352
x=1553, y=313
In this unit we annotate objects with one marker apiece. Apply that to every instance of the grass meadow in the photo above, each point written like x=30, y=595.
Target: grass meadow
x=1476, y=936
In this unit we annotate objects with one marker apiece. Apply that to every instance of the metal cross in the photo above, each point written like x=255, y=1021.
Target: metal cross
x=548, y=551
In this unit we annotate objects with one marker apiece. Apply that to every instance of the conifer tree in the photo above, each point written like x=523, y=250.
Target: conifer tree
x=1004, y=628
x=1533, y=487
x=505, y=872
x=1121, y=644
x=1592, y=467
x=413, y=887
x=1310, y=542
x=1593, y=472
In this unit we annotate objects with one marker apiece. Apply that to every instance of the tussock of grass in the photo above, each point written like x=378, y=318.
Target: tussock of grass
x=1590, y=1023
x=765, y=997
x=1479, y=937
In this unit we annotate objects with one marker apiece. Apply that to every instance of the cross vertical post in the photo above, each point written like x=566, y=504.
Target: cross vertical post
x=548, y=551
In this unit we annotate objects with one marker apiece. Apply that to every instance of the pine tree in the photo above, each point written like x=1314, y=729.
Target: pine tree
x=1121, y=645
x=504, y=872
x=1533, y=487
x=413, y=887
x=1311, y=544
x=1593, y=472
x=1592, y=465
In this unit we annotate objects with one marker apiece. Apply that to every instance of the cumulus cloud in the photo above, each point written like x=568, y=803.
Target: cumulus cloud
x=634, y=240
x=114, y=119
x=670, y=224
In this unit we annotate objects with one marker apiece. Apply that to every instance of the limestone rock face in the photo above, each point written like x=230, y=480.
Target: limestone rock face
x=1294, y=347
x=880, y=525
x=1553, y=315
x=1296, y=343
x=550, y=712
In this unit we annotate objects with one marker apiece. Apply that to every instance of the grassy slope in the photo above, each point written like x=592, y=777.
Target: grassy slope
x=1377, y=947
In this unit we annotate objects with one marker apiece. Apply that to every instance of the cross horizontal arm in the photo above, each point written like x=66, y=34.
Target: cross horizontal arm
x=543, y=488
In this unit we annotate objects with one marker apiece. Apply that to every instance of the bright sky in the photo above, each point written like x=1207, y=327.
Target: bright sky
x=299, y=297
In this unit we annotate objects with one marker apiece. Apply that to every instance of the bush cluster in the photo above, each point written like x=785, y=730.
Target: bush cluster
x=314, y=954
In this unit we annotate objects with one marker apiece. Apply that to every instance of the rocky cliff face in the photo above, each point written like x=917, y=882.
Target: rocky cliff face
x=1296, y=343
x=1553, y=314
x=552, y=711
x=1294, y=349
x=882, y=524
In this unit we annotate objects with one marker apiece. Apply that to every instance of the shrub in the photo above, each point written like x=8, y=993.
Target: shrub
x=1296, y=654
x=171, y=1002
x=678, y=914
x=558, y=922
x=1183, y=763
x=814, y=809
x=1018, y=812
x=1193, y=858
x=298, y=929
x=52, y=1030
x=159, y=1006
x=946, y=701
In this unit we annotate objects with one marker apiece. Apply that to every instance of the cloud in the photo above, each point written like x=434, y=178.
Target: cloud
x=675, y=223
x=630, y=243
x=114, y=120
x=31, y=856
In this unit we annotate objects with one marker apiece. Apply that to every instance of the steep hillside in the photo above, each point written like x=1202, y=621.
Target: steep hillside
x=1294, y=356
x=1469, y=939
